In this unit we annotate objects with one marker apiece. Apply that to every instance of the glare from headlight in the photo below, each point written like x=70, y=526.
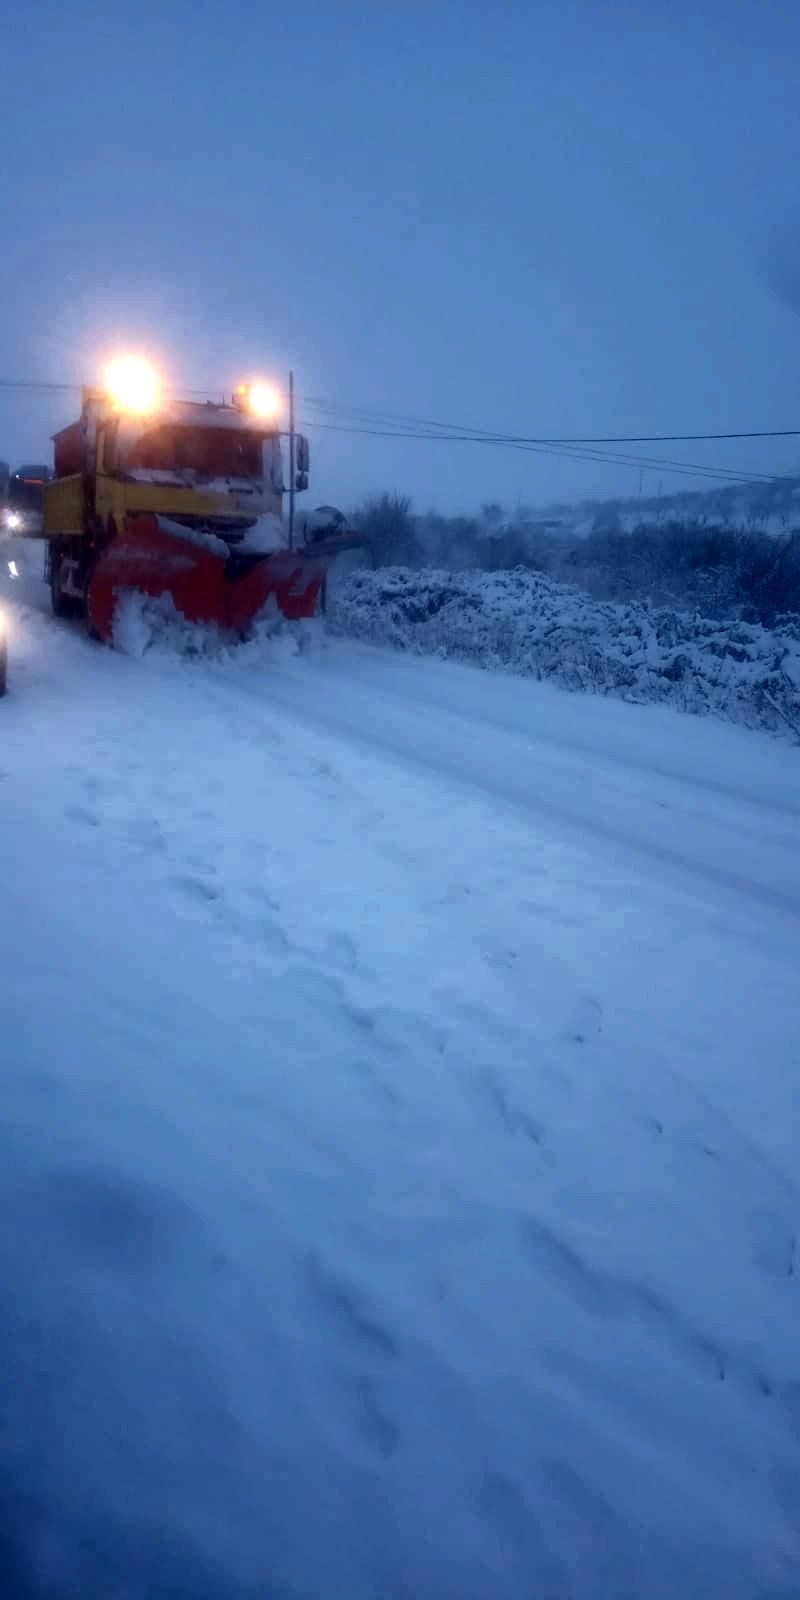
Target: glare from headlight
x=133, y=384
x=13, y=520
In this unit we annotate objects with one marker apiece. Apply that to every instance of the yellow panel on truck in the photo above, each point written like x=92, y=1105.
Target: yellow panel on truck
x=63, y=507
x=115, y=498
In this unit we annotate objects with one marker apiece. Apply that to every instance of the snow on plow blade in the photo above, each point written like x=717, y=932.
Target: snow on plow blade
x=207, y=581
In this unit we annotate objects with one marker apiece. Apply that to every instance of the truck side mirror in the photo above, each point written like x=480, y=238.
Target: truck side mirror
x=301, y=453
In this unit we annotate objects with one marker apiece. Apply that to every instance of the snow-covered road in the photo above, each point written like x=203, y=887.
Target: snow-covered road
x=400, y=1145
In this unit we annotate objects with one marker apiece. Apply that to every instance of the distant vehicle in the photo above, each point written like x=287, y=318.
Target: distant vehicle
x=25, y=499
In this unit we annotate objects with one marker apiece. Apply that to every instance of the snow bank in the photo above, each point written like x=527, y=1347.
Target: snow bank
x=532, y=625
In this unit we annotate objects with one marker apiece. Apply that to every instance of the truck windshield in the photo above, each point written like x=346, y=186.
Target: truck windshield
x=208, y=452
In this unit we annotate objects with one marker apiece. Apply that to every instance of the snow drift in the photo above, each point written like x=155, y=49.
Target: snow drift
x=533, y=625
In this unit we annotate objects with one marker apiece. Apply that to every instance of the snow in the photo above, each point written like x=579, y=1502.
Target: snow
x=399, y=1153
x=533, y=625
x=265, y=536
x=144, y=626
x=249, y=490
x=195, y=536
x=197, y=414
x=767, y=506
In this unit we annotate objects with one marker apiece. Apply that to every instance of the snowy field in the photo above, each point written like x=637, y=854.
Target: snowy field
x=400, y=1137
x=530, y=624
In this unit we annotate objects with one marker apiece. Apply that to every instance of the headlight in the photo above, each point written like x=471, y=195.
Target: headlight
x=13, y=569
x=259, y=398
x=13, y=520
x=133, y=384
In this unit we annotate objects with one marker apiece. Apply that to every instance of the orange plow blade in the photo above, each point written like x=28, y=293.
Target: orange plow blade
x=207, y=580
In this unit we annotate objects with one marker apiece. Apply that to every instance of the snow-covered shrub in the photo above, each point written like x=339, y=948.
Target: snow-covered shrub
x=530, y=624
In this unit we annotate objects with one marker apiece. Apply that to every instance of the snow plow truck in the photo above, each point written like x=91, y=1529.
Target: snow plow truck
x=182, y=498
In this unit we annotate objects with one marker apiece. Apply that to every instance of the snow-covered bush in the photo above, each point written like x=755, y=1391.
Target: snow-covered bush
x=530, y=624
x=713, y=553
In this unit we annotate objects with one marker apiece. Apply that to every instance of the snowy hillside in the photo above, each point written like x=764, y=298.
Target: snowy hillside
x=526, y=622
x=400, y=1151
x=765, y=506
x=681, y=559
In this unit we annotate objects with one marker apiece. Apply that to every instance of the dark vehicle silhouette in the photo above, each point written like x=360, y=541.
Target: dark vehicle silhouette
x=23, y=510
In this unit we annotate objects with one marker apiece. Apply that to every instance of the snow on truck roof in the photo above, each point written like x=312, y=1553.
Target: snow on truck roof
x=183, y=413
x=205, y=414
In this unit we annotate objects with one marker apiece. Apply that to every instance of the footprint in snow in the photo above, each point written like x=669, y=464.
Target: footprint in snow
x=348, y=1313
x=774, y=1241
x=259, y=930
x=82, y=814
x=595, y=1526
x=201, y=890
x=609, y=1295
x=512, y=1117
x=377, y=1428
x=89, y=781
x=585, y=1021
x=145, y=833
x=262, y=896
x=340, y=952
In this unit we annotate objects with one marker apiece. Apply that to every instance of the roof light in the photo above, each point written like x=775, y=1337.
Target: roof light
x=132, y=384
x=262, y=399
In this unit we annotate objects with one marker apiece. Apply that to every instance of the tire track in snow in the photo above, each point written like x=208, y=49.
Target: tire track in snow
x=444, y=746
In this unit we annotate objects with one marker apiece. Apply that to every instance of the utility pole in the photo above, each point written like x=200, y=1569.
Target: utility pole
x=291, y=461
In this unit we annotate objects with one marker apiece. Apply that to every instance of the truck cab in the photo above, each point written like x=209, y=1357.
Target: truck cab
x=213, y=467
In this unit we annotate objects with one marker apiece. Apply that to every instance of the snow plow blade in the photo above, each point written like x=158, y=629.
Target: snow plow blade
x=207, y=580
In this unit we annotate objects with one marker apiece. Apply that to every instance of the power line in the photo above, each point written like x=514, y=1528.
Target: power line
x=567, y=452
x=460, y=430
x=569, y=447
x=463, y=431
x=37, y=383
x=74, y=388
